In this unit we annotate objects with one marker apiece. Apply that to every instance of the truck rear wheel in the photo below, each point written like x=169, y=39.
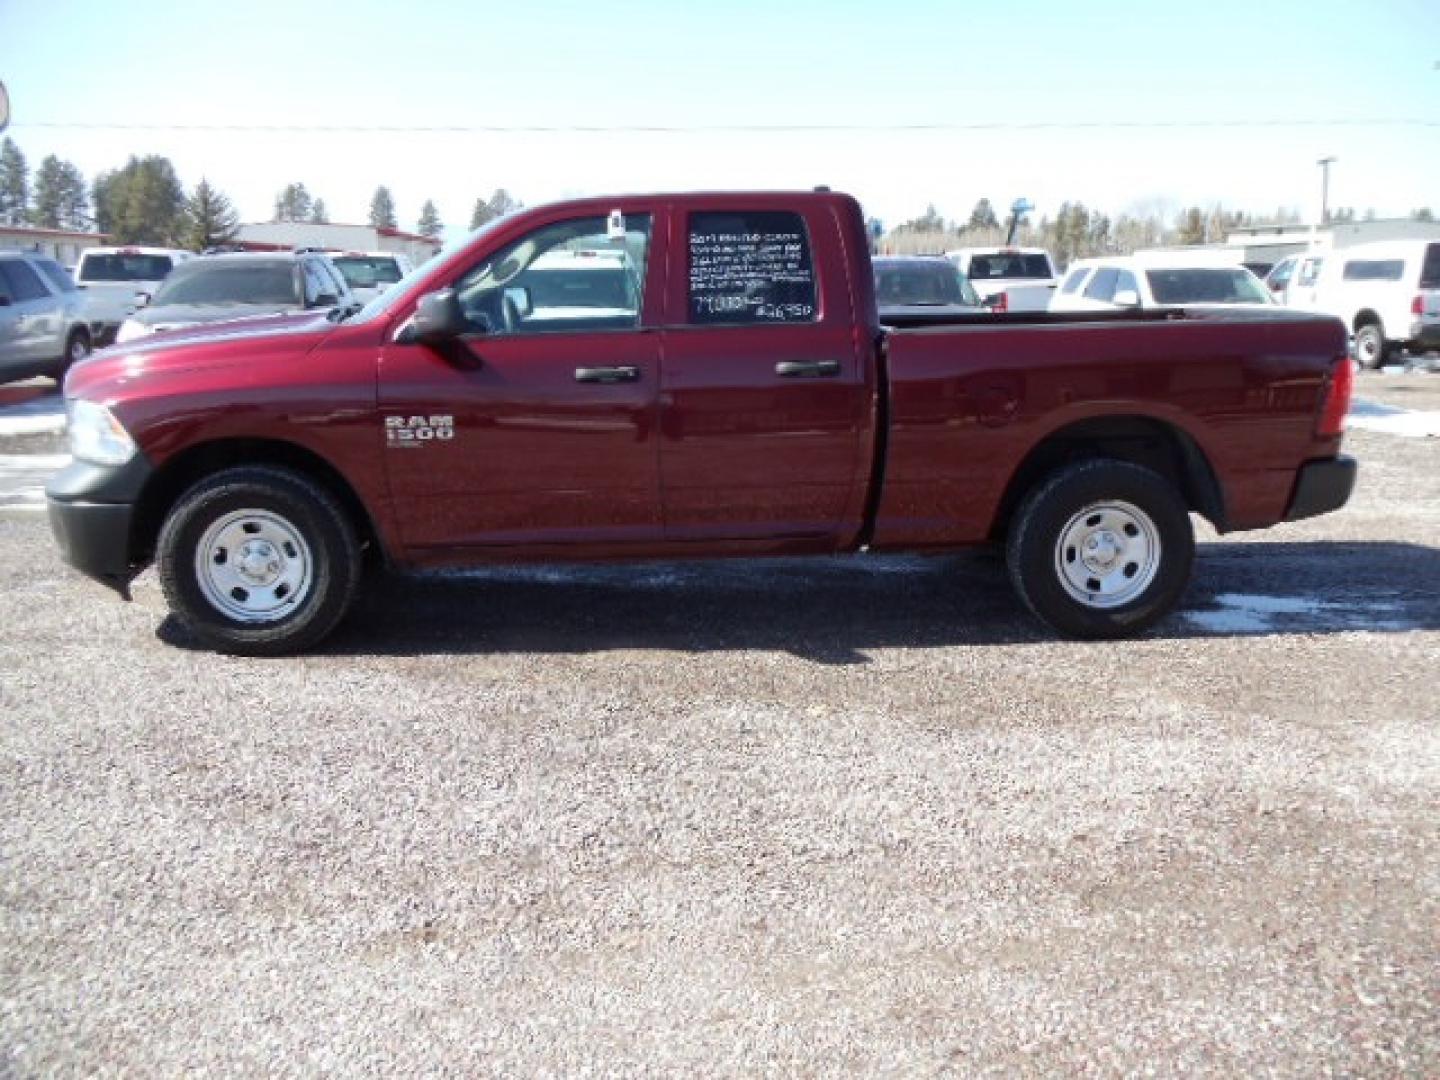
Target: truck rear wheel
x=1101, y=549
x=258, y=561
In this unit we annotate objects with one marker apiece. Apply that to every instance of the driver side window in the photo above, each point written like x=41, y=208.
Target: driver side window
x=581, y=275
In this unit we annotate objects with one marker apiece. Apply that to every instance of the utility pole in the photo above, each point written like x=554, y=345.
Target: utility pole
x=1325, y=163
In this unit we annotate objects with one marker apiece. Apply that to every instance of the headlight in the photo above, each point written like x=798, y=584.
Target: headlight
x=96, y=436
x=131, y=329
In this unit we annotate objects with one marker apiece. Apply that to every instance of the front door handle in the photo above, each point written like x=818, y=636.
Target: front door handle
x=607, y=374
x=807, y=369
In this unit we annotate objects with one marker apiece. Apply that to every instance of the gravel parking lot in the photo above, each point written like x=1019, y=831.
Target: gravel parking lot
x=788, y=817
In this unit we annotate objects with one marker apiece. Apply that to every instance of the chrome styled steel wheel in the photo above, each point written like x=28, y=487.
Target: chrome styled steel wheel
x=1108, y=554
x=253, y=566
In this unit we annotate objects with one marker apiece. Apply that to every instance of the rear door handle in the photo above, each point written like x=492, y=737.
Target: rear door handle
x=607, y=374
x=807, y=369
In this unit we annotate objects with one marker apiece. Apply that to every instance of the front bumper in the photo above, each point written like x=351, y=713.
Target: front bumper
x=92, y=514
x=1322, y=486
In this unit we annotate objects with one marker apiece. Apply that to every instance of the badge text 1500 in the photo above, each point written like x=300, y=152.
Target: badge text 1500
x=414, y=430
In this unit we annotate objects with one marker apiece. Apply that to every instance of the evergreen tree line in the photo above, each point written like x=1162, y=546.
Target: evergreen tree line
x=1077, y=231
x=143, y=202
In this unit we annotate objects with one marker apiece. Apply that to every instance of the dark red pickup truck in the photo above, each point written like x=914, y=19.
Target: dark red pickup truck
x=668, y=376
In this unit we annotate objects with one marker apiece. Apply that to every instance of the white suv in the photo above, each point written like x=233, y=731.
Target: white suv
x=1388, y=295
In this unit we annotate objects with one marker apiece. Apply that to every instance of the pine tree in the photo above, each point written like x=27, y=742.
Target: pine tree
x=983, y=216
x=210, y=219
x=293, y=204
x=318, y=214
x=61, y=198
x=382, y=209
x=429, y=224
x=141, y=203
x=501, y=203
x=481, y=214
x=14, y=185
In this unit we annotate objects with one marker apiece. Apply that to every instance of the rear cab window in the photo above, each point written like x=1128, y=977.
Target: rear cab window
x=1010, y=265
x=123, y=267
x=56, y=274
x=750, y=267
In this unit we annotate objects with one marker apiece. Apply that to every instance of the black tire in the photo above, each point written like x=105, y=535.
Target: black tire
x=320, y=560
x=1105, y=492
x=77, y=347
x=1369, y=348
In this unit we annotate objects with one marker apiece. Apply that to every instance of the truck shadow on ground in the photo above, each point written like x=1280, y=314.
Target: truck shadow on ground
x=833, y=610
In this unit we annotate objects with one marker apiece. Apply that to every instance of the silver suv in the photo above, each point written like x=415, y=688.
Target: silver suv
x=42, y=318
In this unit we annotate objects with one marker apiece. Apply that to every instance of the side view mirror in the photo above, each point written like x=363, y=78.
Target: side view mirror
x=4, y=301
x=439, y=318
x=141, y=299
x=995, y=301
x=1127, y=298
x=326, y=300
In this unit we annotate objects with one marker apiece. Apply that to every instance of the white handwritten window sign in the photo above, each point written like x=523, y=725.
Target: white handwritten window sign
x=751, y=267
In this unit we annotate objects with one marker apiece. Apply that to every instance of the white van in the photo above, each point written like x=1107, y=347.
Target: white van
x=110, y=278
x=1387, y=293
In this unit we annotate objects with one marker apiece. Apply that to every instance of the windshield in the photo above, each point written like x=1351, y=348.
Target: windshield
x=367, y=271
x=1216, y=285
x=1009, y=265
x=924, y=284
x=231, y=283
x=119, y=267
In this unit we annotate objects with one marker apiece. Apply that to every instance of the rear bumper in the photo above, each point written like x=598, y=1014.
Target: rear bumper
x=1321, y=486
x=91, y=510
x=1425, y=335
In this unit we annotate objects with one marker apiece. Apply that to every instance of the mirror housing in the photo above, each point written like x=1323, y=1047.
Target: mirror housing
x=439, y=318
x=141, y=299
x=4, y=301
x=1126, y=298
x=325, y=300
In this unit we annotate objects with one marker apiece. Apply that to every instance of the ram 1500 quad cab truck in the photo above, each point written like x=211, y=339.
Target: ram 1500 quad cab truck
x=674, y=376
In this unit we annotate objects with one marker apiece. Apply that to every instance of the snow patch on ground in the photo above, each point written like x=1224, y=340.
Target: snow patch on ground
x=1247, y=613
x=38, y=416
x=1411, y=425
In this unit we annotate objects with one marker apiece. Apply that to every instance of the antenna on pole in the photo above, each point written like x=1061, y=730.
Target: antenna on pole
x=1018, y=209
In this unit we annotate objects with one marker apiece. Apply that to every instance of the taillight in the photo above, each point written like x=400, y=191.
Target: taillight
x=1417, y=306
x=1338, y=388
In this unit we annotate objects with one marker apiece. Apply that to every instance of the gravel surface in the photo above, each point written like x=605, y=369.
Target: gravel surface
x=789, y=817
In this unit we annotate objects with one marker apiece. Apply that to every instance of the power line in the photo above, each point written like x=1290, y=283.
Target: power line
x=679, y=129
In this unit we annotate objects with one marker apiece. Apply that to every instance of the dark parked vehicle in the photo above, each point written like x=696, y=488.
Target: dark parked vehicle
x=43, y=328
x=212, y=288
x=910, y=285
x=739, y=398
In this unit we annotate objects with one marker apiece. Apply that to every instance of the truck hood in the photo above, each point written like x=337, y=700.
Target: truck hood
x=171, y=316
x=249, y=342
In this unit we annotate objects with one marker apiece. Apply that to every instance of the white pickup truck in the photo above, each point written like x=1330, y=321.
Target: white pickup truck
x=110, y=278
x=1022, y=278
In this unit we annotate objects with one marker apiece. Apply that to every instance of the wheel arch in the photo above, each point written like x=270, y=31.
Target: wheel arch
x=1142, y=440
x=1367, y=317
x=180, y=472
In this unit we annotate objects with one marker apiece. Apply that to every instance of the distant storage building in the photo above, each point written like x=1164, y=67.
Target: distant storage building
x=286, y=235
x=62, y=245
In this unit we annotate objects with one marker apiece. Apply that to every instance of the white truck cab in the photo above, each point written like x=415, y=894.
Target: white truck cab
x=1024, y=277
x=110, y=278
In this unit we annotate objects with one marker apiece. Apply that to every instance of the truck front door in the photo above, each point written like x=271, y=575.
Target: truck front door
x=539, y=428
x=766, y=392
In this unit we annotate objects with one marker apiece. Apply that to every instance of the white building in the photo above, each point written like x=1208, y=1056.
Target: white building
x=61, y=245
x=1271, y=243
x=286, y=235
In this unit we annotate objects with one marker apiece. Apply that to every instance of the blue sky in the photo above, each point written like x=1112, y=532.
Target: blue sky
x=743, y=63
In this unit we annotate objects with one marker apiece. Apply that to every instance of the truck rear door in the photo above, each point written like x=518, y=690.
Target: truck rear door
x=766, y=388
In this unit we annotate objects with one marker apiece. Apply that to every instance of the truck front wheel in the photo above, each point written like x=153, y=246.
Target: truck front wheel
x=258, y=561
x=1101, y=549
